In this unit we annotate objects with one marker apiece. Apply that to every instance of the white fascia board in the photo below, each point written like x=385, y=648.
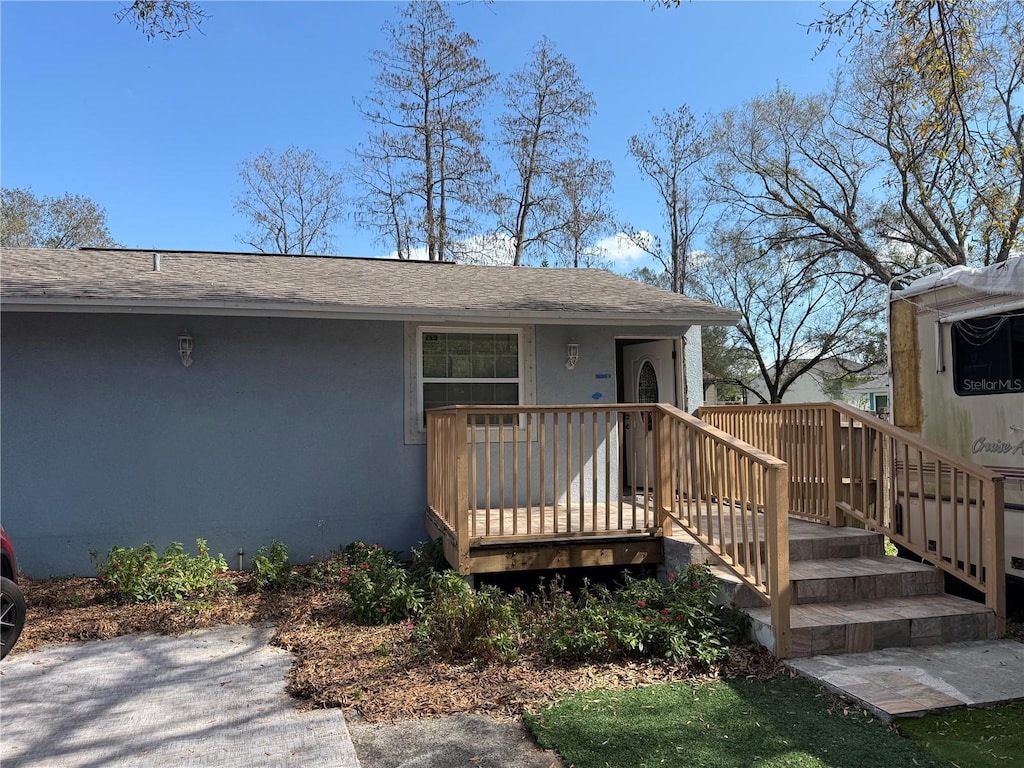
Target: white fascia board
x=249, y=309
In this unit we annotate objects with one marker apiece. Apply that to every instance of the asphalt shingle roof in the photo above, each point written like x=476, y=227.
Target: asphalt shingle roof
x=235, y=283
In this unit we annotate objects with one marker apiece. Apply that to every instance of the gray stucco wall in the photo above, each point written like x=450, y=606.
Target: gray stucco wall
x=694, y=370
x=558, y=386
x=282, y=429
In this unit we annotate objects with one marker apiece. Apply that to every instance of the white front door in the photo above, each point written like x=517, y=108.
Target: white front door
x=650, y=371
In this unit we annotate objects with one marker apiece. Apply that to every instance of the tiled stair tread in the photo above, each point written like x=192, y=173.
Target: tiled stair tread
x=844, y=567
x=806, y=539
x=798, y=529
x=841, y=568
x=804, y=529
x=886, y=609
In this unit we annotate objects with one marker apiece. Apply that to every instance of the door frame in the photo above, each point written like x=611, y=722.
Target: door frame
x=624, y=383
x=624, y=378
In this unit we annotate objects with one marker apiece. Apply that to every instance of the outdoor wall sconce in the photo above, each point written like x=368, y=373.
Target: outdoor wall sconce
x=185, y=347
x=572, y=355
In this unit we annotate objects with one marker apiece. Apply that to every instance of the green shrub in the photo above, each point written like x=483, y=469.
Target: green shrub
x=141, y=575
x=461, y=623
x=426, y=560
x=270, y=568
x=572, y=629
x=645, y=618
x=378, y=585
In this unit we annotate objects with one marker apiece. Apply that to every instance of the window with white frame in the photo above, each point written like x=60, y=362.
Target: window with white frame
x=469, y=367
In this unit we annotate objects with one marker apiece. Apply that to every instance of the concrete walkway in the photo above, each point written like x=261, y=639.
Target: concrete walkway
x=211, y=698
x=908, y=682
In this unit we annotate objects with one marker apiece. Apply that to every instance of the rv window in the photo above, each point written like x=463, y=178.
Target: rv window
x=988, y=355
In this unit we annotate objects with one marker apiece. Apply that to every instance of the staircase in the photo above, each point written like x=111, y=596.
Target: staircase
x=848, y=597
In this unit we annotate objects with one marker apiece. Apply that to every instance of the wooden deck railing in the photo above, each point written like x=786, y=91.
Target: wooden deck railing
x=846, y=464
x=734, y=498
x=511, y=474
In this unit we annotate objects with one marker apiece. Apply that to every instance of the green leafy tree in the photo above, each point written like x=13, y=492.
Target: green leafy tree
x=654, y=277
x=68, y=221
x=728, y=365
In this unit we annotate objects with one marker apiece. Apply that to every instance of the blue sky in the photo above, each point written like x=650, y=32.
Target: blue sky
x=154, y=130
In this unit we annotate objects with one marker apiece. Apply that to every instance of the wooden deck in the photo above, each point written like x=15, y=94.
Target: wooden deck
x=633, y=516
x=514, y=488
x=532, y=538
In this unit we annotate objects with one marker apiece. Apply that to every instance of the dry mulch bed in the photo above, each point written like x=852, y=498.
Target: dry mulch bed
x=374, y=671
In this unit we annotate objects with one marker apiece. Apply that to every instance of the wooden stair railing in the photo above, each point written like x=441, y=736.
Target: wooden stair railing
x=734, y=499
x=849, y=467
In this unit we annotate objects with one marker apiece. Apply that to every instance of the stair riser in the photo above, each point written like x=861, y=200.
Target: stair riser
x=872, y=587
x=868, y=545
x=842, y=589
x=680, y=552
x=863, y=637
x=840, y=605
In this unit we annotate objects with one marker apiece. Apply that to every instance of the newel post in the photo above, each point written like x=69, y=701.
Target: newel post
x=994, y=561
x=777, y=534
x=833, y=459
x=431, y=459
x=459, y=439
x=663, y=490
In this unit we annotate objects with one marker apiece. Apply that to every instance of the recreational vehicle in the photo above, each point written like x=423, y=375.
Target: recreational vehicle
x=956, y=342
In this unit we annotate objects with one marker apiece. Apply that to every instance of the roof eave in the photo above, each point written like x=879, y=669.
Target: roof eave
x=348, y=312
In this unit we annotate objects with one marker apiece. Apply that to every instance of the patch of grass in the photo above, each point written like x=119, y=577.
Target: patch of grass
x=783, y=722
x=978, y=738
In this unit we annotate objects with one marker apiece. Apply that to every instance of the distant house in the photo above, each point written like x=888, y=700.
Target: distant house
x=719, y=392
x=828, y=382
x=163, y=396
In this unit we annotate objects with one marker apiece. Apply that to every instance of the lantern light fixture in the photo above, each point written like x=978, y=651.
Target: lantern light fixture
x=185, y=346
x=572, y=355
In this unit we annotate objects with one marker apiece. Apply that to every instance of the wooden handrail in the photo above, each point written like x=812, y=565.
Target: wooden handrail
x=856, y=414
x=944, y=508
x=916, y=441
x=734, y=498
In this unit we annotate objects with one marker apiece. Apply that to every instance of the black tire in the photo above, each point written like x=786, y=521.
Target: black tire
x=12, y=615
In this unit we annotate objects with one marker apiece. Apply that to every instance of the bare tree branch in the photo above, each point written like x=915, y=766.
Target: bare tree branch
x=422, y=168
x=163, y=18
x=669, y=154
x=291, y=200
x=800, y=311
